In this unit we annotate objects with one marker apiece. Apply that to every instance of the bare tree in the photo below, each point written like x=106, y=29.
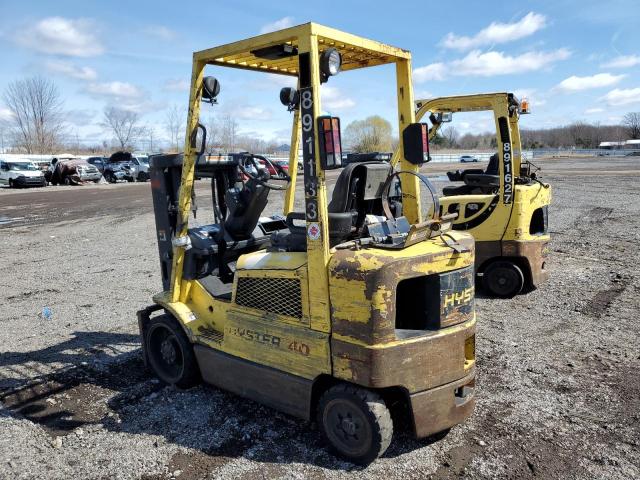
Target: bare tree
x=36, y=123
x=174, y=123
x=123, y=124
x=631, y=122
x=228, y=133
x=451, y=136
x=213, y=133
x=373, y=134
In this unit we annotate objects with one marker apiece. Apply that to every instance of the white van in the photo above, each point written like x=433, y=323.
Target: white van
x=21, y=173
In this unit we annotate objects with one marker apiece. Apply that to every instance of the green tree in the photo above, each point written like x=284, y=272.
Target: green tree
x=373, y=134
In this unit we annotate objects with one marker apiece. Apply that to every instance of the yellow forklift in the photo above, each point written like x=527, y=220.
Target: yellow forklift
x=505, y=206
x=350, y=312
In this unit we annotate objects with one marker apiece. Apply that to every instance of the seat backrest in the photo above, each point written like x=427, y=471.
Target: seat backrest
x=358, y=183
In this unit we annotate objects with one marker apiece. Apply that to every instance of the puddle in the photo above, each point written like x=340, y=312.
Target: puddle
x=4, y=220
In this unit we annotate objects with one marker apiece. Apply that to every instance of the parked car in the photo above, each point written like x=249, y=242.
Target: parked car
x=468, y=159
x=118, y=166
x=71, y=171
x=140, y=163
x=284, y=164
x=21, y=173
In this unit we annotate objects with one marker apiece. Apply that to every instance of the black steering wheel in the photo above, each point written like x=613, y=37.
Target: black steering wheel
x=260, y=179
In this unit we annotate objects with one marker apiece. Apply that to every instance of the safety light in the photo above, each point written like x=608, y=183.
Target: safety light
x=210, y=89
x=330, y=63
x=415, y=138
x=330, y=142
x=290, y=98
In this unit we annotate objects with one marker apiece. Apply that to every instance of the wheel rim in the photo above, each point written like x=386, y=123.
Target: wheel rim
x=347, y=427
x=504, y=281
x=165, y=353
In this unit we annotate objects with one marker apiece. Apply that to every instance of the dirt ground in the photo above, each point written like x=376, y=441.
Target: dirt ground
x=558, y=387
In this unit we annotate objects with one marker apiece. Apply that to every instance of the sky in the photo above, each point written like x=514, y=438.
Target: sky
x=573, y=60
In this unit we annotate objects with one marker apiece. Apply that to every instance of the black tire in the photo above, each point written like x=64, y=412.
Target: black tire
x=143, y=177
x=11, y=184
x=503, y=279
x=66, y=180
x=109, y=177
x=355, y=422
x=170, y=353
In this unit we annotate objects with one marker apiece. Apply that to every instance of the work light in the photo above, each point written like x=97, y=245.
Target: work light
x=330, y=62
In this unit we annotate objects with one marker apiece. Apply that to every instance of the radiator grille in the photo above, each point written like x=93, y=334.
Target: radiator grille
x=275, y=295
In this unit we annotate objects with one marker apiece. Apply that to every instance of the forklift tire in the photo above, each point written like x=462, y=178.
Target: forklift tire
x=503, y=279
x=355, y=422
x=170, y=353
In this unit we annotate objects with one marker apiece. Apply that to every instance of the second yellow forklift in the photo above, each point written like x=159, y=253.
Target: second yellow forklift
x=505, y=206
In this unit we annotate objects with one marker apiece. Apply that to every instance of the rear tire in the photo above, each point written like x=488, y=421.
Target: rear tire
x=109, y=177
x=503, y=279
x=355, y=422
x=66, y=181
x=170, y=353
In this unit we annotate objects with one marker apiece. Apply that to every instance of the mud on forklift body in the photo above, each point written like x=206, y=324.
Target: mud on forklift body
x=307, y=313
x=505, y=206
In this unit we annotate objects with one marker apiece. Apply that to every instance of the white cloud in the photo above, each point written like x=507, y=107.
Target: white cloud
x=334, y=99
x=592, y=111
x=497, y=33
x=248, y=112
x=160, y=31
x=422, y=95
x=70, y=70
x=623, y=61
x=622, y=96
x=575, y=83
x=489, y=64
x=177, y=85
x=80, y=117
x=536, y=99
x=497, y=63
x=5, y=114
x=62, y=36
x=284, y=22
x=121, y=90
x=433, y=71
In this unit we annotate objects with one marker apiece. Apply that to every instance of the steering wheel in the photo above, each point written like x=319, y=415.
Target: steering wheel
x=284, y=176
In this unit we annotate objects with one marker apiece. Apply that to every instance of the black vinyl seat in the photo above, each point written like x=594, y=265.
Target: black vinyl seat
x=476, y=180
x=358, y=192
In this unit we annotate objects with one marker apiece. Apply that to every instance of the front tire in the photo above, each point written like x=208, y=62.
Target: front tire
x=355, y=422
x=11, y=184
x=503, y=279
x=170, y=353
x=67, y=181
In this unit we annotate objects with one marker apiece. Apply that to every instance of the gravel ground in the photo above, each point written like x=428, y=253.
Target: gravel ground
x=558, y=391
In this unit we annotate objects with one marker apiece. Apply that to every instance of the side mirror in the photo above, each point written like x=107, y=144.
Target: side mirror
x=210, y=89
x=330, y=142
x=415, y=139
x=440, y=117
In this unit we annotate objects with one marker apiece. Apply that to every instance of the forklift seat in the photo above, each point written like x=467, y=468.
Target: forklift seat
x=476, y=180
x=358, y=192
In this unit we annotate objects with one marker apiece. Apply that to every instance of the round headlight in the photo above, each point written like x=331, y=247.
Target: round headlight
x=330, y=62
